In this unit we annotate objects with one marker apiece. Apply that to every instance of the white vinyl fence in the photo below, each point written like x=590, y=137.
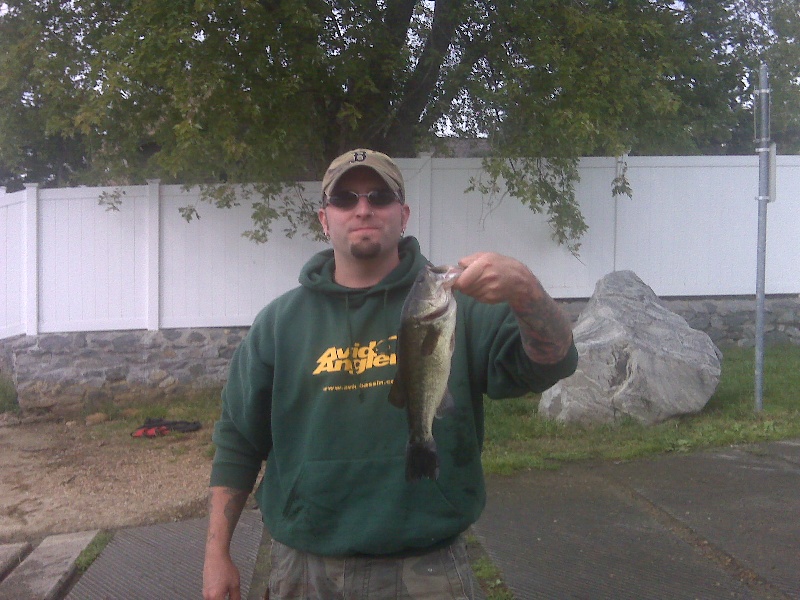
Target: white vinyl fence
x=68, y=264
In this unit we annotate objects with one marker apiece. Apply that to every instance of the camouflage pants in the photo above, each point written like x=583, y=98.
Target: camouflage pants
x=443, y=574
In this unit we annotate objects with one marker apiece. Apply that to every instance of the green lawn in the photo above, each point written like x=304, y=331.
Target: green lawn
x=517, y=439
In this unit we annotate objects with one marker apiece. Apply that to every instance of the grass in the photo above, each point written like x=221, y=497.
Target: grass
x=517, y=439
x=8, y=395
x=92, y=551
x=202, y=405
x=486, y=573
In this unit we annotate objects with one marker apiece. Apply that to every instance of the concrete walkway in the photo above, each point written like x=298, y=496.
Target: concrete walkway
x=723, y=524
x=713, y=525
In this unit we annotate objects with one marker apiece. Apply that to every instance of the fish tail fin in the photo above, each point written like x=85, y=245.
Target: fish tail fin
x=422, y=460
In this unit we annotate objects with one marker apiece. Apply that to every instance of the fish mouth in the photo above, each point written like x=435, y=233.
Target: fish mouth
x=454, y=271
x=446, y=273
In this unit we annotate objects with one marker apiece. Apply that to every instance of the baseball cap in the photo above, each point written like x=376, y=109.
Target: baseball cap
x=384, y=166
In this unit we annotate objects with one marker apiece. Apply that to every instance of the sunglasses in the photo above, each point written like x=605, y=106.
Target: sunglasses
x=348, y=200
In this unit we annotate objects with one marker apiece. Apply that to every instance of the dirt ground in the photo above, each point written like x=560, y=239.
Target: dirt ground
x=59, y=477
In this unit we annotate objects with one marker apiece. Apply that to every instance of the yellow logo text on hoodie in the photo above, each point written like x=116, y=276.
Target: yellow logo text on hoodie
x=357, y=358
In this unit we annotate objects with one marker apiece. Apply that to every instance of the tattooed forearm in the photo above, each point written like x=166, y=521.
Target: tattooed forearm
x=225, y=506
x=546, y=331
x=234, y=505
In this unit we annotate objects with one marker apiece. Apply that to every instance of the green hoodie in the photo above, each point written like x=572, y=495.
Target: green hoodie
x=307, y=392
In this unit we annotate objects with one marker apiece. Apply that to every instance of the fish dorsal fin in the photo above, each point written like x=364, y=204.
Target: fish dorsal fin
x=397, y=393
x=447, y=406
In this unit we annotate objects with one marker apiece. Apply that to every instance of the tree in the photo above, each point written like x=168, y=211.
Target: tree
x=40, y=91
x=731, y=40
x=116, y=91
x=781, y=54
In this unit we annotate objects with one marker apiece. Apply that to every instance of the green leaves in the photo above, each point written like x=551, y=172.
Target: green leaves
x=544, y=185
x=269, y=91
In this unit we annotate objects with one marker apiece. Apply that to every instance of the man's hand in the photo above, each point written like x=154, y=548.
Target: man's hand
x=220, y=578
x=492, y=278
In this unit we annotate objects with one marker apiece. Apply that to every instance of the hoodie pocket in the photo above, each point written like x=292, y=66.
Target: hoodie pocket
x=366, y=506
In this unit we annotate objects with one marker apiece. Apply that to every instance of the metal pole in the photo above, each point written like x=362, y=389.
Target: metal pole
x=763, y=150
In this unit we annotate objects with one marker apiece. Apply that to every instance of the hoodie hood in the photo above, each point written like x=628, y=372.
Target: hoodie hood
x=317, y=273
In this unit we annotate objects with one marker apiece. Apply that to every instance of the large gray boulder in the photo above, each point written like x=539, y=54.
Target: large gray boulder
x=637, y=360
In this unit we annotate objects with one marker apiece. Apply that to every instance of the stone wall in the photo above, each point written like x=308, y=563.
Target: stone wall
x=88, y=371
x=730, y=321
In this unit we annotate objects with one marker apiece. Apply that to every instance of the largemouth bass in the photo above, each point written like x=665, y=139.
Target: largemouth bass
x=424, y=350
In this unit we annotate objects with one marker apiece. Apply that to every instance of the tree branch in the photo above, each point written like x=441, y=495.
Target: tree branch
x=423, y=80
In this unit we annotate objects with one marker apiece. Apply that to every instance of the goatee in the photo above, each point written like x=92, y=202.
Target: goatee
x=365, y=249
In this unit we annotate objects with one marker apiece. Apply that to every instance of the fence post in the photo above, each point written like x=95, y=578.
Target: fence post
x=31, y=259
x=423, y=202
x=153, y=254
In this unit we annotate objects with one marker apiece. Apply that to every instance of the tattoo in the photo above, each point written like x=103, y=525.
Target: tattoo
x=234, y=501
x=234, y=505
x=546, y=331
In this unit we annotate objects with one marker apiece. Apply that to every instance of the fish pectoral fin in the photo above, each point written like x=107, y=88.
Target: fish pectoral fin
x=430, y=341
x=447, y=406
x=397, y=393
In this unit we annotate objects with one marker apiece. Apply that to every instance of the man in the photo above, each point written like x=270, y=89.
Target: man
x=307, y=393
